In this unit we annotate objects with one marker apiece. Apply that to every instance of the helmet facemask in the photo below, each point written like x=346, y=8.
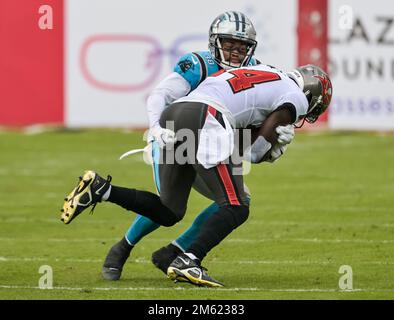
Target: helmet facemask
x=218, y=51
x=316, y=108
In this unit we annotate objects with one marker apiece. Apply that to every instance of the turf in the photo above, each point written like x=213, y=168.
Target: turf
x=328, y=202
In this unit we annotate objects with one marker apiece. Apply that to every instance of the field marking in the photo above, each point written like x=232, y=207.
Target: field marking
x=257, y=222
x=146, y=261
x=310, y=240
x=322, y=224
x=290, y=290
x=316, y=240
x=47, y=220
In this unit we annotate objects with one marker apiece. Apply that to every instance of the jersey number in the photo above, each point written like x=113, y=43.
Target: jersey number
x=245, y=79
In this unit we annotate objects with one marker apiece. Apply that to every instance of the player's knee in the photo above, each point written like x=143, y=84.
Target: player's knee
x=239, y=214
x=243, y=214
x=177, y=209
x=169, y=222
x=171, y=218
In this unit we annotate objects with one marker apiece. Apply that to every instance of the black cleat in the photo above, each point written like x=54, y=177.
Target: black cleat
x=89, y=191
x=163, y=257
x=115, y=260
x=184, y=268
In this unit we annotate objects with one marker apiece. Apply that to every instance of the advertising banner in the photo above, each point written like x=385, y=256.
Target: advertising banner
x=117, y=51
x=361, y=52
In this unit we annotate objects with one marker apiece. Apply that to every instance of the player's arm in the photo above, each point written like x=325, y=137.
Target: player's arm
x=282, y=116
x=167, y=91
x=185, y=77
x=266, y=146
x=171, y=88
x=179, y=83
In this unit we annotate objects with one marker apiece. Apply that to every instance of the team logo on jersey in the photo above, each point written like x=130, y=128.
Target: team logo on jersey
x=185, y=65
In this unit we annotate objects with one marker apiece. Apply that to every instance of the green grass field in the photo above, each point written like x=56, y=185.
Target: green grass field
x=328, y=202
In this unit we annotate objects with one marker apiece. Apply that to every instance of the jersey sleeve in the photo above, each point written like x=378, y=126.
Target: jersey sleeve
x=189, y=67
x=298, y=100
x=167, y=91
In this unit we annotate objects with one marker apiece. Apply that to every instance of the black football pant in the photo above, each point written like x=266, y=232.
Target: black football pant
x=176, y=180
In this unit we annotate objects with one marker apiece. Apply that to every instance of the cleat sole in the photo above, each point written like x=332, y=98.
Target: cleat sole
x=175, y=275
x=69, y=209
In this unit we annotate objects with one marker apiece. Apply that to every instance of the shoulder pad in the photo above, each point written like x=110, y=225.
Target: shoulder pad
x=189, y=67
x=194, y=67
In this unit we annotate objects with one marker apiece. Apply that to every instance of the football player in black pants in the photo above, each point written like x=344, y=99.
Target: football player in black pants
x=261, y=96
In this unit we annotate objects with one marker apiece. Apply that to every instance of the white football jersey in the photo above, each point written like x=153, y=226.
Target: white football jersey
x=248, y=95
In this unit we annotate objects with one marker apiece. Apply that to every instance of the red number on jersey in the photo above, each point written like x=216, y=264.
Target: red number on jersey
x=245, y=79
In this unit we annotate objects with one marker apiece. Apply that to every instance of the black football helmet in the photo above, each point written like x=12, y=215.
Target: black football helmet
x=316, y=85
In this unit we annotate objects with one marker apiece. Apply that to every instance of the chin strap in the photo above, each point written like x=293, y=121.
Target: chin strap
x=302, y=123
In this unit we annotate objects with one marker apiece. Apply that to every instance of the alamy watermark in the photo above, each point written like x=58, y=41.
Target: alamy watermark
x=46, y=280
x=206, y=148
x=346, y=280
x=45, y=21
x=346, y=17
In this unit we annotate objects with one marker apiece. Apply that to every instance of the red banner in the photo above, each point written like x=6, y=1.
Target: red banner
x=313, y=35
x=31, y=62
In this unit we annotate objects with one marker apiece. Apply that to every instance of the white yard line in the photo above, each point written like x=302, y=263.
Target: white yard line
x=146, y=261
x=243, y=240
x=14, y=287
x=316, y=240
x=252, y=222
x=322, y=224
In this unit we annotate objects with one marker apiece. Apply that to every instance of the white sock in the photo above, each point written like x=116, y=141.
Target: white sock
x=106, y=194
x=127, y=240
x=191, y=256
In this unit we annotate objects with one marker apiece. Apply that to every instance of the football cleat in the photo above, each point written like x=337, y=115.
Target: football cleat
x=163, y=257
x=184, y=268
x=115, y=260
x=88, y=192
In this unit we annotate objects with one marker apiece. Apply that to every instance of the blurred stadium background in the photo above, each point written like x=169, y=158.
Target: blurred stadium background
x=74, y=77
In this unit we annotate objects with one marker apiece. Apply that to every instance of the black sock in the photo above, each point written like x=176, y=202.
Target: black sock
x=216, y=228
x=144, y=203
x=123, y=197
x=126, y=244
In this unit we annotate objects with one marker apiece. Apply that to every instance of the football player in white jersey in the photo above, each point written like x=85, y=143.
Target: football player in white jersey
x=232, y=42
x=258, y=96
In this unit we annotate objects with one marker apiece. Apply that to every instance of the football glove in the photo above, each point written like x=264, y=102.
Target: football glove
x=276, y=152
x=257, y=151
x=165, y=137
x=286, y=134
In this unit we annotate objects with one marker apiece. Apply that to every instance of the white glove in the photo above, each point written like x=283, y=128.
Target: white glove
x=256, y=152
x=165, y=137
x=286, y=134
x=276, y=152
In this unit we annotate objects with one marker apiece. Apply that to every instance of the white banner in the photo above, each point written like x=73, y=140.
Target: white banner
x=118, y=50
x=361, y=51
